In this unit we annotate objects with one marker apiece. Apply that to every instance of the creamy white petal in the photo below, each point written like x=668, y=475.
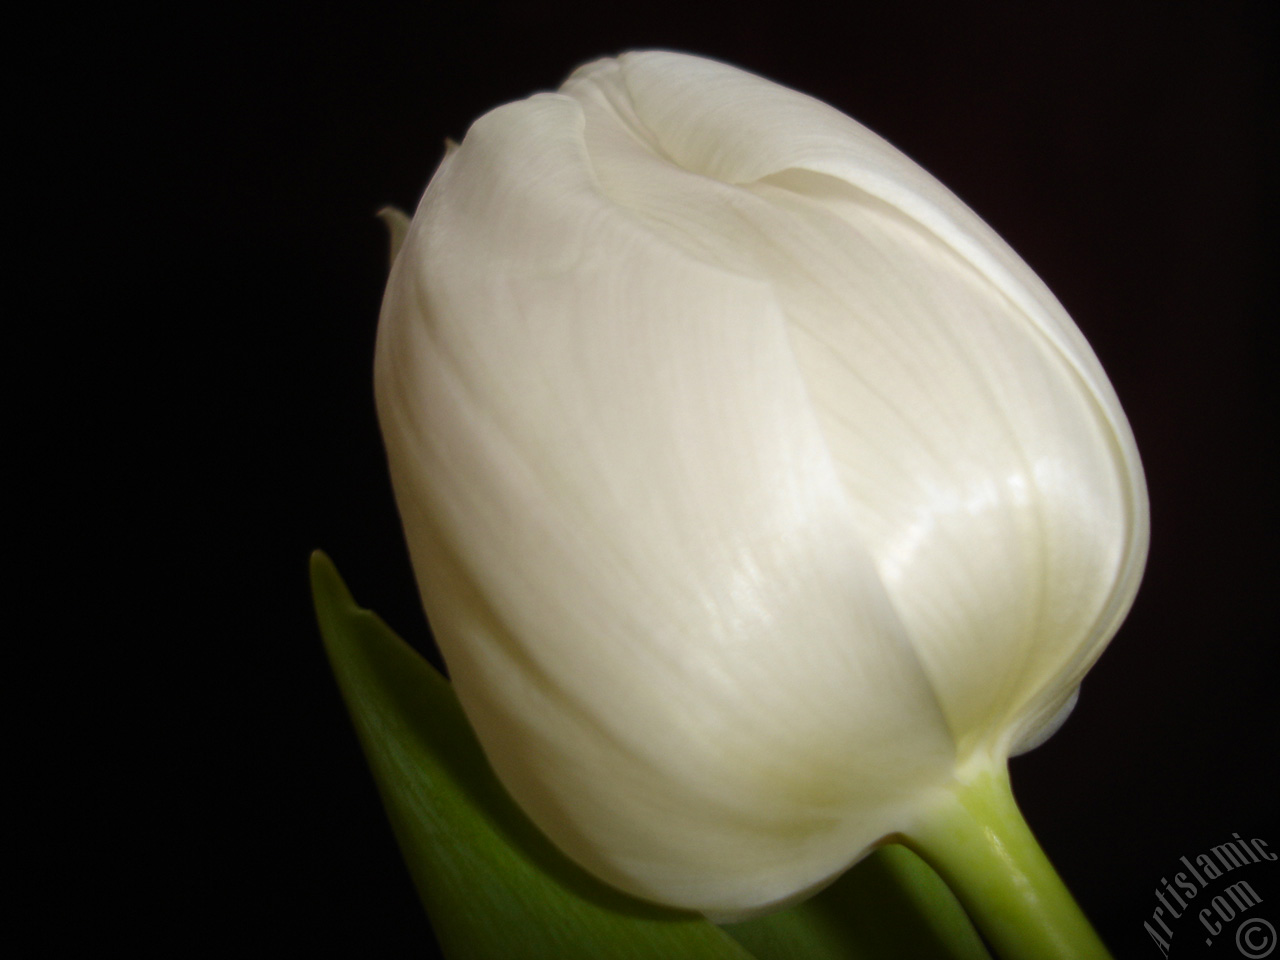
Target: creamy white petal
x=633, y=542
x=1039, y=726
x=992, y=473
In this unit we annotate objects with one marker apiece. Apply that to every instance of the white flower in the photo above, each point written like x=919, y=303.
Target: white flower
x=754, y=487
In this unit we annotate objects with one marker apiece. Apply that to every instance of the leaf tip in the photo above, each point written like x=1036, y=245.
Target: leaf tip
x=397, y=224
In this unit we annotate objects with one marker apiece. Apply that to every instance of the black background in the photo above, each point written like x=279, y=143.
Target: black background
x=204, y=344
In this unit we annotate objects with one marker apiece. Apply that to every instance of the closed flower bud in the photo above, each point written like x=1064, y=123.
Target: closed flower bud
x=755, y=488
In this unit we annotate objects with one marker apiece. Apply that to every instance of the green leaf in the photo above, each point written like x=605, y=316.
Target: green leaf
x=891, y=905
x=494, y=886
x=496, y=889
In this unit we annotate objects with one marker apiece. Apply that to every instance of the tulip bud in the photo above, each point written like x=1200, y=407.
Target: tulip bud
x=756, y=489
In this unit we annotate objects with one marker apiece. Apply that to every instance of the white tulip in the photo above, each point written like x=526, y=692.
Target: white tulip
x=757, y=491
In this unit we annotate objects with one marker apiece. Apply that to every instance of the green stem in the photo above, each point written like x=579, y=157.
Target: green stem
x=976, y=840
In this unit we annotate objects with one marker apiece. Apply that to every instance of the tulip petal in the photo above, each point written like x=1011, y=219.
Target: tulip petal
x=632, y=540
x=991, y=471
